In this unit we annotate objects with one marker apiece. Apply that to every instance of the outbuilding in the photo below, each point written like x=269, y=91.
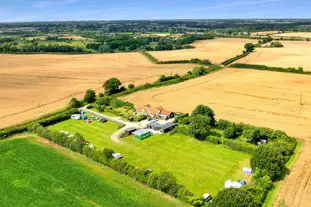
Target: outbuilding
x=142, y=134
x=162, y=127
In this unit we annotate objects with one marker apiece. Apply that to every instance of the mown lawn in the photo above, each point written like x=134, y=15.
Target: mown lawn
x=200, y=166
x=34, y=174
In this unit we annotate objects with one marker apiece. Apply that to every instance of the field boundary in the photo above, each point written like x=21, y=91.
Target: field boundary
x=192, y=61
x=268, y=68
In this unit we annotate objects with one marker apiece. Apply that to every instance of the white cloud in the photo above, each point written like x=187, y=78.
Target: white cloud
x=236, y=4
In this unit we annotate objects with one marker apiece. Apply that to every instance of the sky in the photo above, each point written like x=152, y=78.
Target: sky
x=63, y=10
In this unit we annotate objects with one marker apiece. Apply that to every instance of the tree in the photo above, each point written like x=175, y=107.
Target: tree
x=205, y=111
x=90, y=96
x=269, y=158
x=74, y=103
x=200, y=126
x=112, y=86
x=249, y=47
x=233, y=197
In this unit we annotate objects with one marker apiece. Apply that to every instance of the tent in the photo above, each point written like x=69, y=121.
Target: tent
x=231, y=184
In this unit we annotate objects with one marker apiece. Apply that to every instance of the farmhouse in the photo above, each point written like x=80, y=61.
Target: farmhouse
x=158, y=112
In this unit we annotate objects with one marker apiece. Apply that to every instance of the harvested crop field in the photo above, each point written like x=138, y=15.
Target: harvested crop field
x=293, y=54
x=268, y=99
x=294, y=34
x=254, y=34
x=216, y=50
x=33, y=85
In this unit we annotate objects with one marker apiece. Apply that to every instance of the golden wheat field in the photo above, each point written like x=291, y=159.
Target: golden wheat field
x=265, y=33
x=267, y=99
x=33, y=85
x=216, y=50
x=294, y=34
x=293, y=54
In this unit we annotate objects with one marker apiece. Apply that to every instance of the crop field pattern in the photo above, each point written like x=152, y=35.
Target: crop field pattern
x=201, y=167
x=216, y=50
x=54, y=178
x=293, y=54
x=268, y=99
x=33, y=85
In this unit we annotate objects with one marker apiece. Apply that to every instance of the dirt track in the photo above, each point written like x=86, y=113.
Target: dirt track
x=32, y=85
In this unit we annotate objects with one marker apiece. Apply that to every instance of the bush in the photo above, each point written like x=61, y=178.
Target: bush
x=230, y=132
x=223, y=124
x=239, y=146
x=214, y=140
x=74, y=103
x=108, y=153
x=276, y=44
x=101, y=95
x=131, y=86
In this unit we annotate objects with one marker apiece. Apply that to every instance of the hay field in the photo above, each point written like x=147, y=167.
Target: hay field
x=293, y=54
x=260, y=98
x=294, y=34
x=32, y=85
x=216, y=50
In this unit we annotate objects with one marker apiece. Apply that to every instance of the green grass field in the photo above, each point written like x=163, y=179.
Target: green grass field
x=200, y=166
x=36, y=174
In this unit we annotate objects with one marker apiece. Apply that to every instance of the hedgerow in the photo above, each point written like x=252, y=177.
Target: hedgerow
x=268, y=68
x=45, y=120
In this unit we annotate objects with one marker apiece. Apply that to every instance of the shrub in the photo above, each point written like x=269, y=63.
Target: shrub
x=131, y=86
x=214, y=140
x=101, y=94
x=230, y=132
x=222, y=124
x=239, y=146
x=74, y=103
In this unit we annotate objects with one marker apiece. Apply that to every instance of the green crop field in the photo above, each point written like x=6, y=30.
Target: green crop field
x=200, y=166
x=36, y=174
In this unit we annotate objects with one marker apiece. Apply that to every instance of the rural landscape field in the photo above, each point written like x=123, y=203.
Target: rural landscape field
x=293, y=54
x=216, y=50
x=51, y=80
x=184, y=112
x=261, y=98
